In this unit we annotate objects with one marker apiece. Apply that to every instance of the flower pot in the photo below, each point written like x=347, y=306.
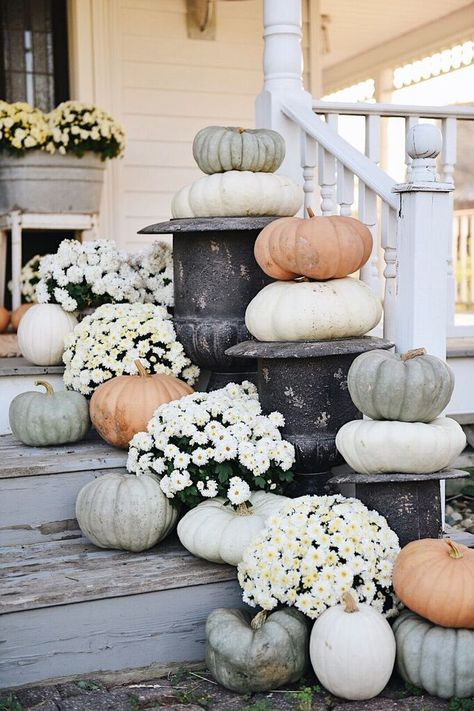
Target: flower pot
x=40, y=182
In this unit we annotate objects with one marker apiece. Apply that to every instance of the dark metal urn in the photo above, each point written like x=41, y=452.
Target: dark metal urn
x=307, y=383
x=215, y=278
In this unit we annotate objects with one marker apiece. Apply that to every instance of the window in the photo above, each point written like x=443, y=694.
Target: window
x=33, y=52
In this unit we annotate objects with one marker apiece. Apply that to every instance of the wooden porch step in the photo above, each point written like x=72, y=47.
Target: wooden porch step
x=69, y=609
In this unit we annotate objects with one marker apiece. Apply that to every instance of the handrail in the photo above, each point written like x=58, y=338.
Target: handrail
x=370, y=174
x=393, y=110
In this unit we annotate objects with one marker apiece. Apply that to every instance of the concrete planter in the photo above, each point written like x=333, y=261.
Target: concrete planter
x=40, y=182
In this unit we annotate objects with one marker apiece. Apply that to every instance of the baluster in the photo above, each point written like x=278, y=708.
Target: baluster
x=345, y=190
x=455, y=261
x=309, y=151
x=409, y=122
x=327, y=174
x=464, y=231
x=389, y=245
x=471, y=256
x=370, y=273
x=448, y=162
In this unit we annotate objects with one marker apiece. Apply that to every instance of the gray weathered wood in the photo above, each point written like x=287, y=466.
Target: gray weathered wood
x=307, y=349
x=458, y=536
x=154, y=630
x=459, y=347
x=61, y=572
x=20, y=366
x=42, y=508
x=208, y=224
x=18, y=460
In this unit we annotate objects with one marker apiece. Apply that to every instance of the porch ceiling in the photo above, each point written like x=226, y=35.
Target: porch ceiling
x=357, y=28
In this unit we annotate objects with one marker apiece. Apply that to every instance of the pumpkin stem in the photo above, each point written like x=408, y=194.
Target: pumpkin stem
x=242, y=130
x=243, y=510
x=310, y=212
x=259, y=620
x=413, y=354
x=454, y=552
x=142, y=371
x=49, y=388
x=349, y=602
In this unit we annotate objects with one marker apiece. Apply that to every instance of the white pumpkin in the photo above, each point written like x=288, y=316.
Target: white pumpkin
x=238, y=194
x=377, y=446
x=352, y=650
x=125, y=511
x=219, y=533
x=313, y=311
x=42, y=331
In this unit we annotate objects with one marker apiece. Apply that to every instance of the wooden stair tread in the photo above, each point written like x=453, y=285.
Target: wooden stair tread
x=64, y=572
x=20, y=366
x=18, y=460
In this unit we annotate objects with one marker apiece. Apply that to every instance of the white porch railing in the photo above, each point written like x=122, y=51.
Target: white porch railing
x=463, y=258
x=410, y=223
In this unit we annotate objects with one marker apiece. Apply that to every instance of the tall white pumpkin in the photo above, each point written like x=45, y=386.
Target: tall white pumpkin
x=378, y=446
x=42, y=331
x=220, y=534
x=125, y=511
x=238, y=194
x=352, y=650
x=313, y=311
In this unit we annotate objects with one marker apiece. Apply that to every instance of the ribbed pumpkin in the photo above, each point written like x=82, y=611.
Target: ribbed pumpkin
x=4, y=319
x=312, y=311
x=439, y=660
x=435, y=578
x=123, y=406
x=43, y=419
x=352, y=650
x=125, y=511
x=412, y=387
x=318, y=248
x=250, y=655
x=221, y=148
x=238, y=194
x=18, y=314
x=375, y=447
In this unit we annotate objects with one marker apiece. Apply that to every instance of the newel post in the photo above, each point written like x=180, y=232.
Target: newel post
x=423, y=234
x=283, y=78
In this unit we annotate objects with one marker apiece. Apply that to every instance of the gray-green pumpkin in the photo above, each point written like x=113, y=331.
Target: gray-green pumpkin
x=439, y=660
x=250, y=655
x=412, y=387
x=217, y=149
x=42, y=419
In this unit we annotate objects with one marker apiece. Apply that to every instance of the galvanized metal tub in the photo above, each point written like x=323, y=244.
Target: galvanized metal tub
x=40, y=182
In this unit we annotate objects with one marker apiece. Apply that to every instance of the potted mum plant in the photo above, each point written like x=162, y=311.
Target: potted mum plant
x=55, y=162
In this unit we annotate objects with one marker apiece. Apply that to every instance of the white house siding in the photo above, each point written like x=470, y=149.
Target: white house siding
x=170, y=87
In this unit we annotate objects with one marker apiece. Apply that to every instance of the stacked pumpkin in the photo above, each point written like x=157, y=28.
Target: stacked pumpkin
x=313, y=298
x=435, y=634
x=404, y=396
x=240, y=180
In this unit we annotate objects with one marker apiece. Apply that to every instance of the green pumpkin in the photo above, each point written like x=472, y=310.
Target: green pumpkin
x=439, y=660
x=413, y=387
x=217, y=149
x=250, y=655
x=43, y=419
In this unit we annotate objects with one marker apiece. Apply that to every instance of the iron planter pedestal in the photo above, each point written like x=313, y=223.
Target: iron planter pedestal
x=307, y=383
x=411, y=503
x=215, y=278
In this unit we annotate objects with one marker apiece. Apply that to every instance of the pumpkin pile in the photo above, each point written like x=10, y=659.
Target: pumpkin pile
x=313, y=298
x=240, y=179
x=404, y=396
x=434, y=578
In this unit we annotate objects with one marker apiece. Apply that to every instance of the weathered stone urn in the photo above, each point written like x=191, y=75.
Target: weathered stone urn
x=307, y=383
x=215, y=277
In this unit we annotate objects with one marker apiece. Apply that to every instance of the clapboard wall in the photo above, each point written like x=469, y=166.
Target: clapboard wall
x=164, y=87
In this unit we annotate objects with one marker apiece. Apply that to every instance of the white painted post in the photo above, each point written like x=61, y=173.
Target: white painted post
x=283, y=78
x=16, y=231
x=424, y=230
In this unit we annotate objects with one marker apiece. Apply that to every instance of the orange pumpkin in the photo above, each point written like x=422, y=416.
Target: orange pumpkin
x=4, y=319
x=319, y=248
x=123, y=406
x=18, y=314
x=435, y=578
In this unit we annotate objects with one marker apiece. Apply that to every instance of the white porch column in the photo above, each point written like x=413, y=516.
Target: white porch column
x=283, y=78
x=424, y=231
